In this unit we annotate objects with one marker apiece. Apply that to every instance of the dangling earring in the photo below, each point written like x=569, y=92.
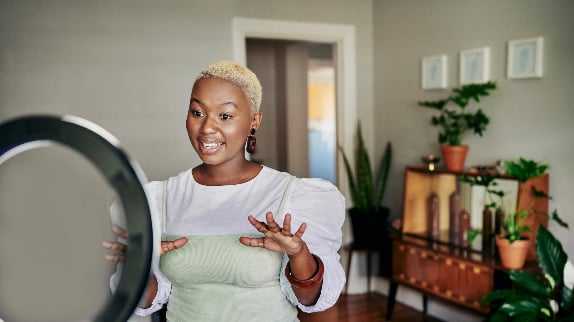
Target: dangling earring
x=251, y=141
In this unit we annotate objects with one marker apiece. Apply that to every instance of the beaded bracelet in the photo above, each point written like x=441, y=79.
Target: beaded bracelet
x=312, y=281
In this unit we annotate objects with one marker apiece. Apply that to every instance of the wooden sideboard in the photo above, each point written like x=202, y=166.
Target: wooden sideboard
x=439, y=264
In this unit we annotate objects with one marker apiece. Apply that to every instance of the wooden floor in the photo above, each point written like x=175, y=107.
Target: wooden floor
x=371, y=307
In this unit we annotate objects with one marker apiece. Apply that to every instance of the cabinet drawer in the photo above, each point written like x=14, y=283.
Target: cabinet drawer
x=449, y=277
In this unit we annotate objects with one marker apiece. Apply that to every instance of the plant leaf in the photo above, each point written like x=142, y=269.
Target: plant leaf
x=350, y=178
x=559, y=220
x=530, y=317
x=524, y=169
x=539, y=193
x=498, y=316
x=454, y=124
x=551, y=255
x=567, y=317
x=383, y=175
x=567, y=300
x=530, y=283
x=472, y=234
x=364, y=174
x=522, y=306
x=497, y=295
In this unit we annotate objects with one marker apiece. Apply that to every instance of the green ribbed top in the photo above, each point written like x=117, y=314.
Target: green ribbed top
x=216, y=278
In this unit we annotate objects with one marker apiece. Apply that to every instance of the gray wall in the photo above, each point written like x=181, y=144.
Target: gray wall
x=129, y=66
x=530, y=118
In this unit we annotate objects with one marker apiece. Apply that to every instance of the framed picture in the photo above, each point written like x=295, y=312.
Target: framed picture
x=525, y=58
x=434, y=72
x=474, y=66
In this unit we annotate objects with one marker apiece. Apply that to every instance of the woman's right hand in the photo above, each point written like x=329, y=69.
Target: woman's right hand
x=118, y=248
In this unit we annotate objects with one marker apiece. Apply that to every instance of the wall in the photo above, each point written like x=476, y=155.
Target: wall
x=530, y=118
x=129, y=65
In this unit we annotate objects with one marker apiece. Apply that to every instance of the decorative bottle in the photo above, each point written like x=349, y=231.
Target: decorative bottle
x=486, y=229
x=454, y=217
x=464, y=227
x=433, y=229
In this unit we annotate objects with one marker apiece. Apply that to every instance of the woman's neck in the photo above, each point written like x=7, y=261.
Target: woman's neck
x=220, y=175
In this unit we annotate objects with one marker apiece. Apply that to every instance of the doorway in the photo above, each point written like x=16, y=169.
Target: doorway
x=342, y=38
x=298, y=132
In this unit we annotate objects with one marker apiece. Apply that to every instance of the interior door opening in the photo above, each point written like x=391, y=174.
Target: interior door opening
x=298, y=132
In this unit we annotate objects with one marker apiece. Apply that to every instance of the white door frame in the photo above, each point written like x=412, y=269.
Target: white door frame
x=343, y=36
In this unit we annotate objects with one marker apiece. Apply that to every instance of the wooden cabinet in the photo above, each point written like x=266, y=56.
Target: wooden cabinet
x=429, y=257
x=437, y=272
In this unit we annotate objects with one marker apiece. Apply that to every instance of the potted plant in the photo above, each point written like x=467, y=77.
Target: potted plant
x=368, y=216
x=456, y=123
x=538, y=297
x=519, y=226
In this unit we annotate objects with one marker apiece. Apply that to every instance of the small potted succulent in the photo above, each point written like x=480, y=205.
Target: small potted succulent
x=455, y=123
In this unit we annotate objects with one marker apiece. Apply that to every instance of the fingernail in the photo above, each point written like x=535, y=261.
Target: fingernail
x=106, y=244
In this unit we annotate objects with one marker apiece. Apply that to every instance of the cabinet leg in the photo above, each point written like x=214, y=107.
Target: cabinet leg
x=425, y=303
x=391, y=299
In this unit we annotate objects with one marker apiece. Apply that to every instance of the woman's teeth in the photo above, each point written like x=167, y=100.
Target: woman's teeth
x=212, y=145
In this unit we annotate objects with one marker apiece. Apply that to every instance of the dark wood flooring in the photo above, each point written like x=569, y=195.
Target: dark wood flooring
x=371, y=307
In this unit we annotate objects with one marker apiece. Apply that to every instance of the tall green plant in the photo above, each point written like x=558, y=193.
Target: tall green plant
x=367, y=192
x=534, y=298
x=456, y=123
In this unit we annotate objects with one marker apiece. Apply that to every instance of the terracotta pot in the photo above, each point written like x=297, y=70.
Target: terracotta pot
x=454, y=156
x=512, y=256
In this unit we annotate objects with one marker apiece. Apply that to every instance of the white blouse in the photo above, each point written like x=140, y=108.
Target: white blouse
x=196, y=209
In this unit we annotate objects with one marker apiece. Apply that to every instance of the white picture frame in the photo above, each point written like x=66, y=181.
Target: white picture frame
x=525, y=57
x=434, y=72
x=474, y=66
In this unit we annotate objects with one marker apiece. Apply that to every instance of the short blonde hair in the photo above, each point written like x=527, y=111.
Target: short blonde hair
x=239, y=75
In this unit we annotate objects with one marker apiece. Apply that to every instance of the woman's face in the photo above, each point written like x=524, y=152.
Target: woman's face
x=219, y=120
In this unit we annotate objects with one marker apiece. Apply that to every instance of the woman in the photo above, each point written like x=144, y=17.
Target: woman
x=241, y=241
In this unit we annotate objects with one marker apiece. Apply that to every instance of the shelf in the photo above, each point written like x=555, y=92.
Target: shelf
x=428, y=256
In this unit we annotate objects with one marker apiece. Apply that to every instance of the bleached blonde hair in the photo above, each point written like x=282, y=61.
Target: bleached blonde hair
x=239, y=75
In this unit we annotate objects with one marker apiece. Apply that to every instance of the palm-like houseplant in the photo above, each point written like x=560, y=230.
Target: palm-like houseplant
x=368, y=216
x=456, y=123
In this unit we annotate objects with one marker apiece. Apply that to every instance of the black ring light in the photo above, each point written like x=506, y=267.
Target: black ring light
x=103, y=151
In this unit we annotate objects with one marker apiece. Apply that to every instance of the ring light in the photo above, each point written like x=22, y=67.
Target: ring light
x=124, y=175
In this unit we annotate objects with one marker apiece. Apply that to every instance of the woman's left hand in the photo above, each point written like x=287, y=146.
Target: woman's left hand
x=276, y=238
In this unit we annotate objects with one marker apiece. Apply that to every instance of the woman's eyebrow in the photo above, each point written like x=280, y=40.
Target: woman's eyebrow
x=224, y=104
x=231, y=103
x=195, y=100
